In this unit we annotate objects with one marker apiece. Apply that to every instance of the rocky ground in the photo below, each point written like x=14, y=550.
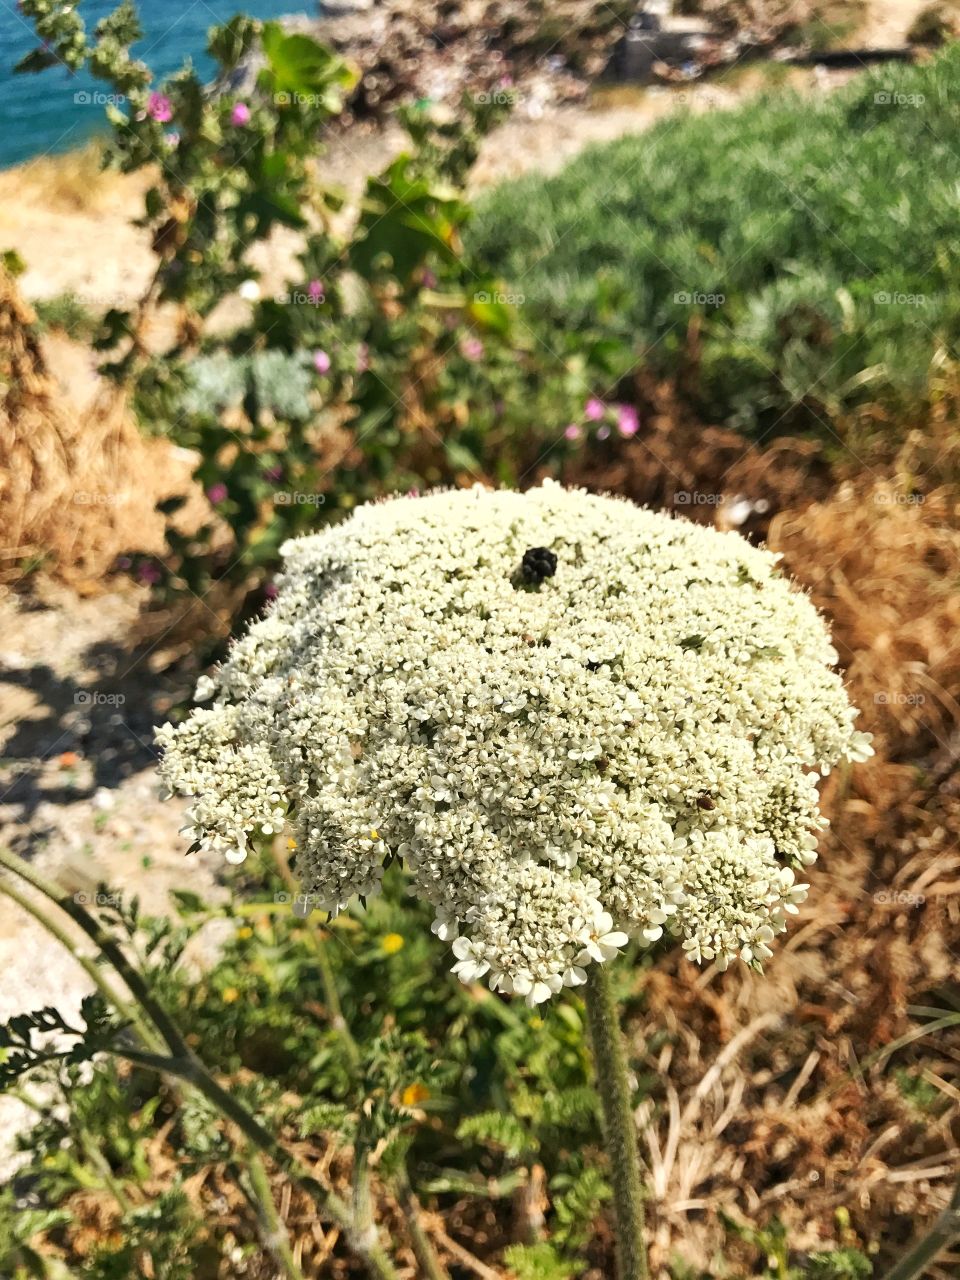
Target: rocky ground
x=79, y=796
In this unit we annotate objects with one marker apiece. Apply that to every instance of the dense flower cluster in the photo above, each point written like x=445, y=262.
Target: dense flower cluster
x=626, y=746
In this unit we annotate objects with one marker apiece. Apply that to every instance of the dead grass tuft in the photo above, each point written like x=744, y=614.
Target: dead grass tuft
x=796, y=1094
x=77, y=487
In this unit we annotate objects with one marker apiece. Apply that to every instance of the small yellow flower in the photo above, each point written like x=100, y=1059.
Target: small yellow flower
x=413, y=1094
x=245, y=932
x=291, y=843
x=374, y=833
x=535, y=1023
x=392, y=943
x=231, y=995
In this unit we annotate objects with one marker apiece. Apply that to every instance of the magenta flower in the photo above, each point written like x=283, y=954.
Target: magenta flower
x=172, y=139
x=594, y=409
x=471, y=349
x=148, y=573
x=270, y=591
x=628, y=423
x=273, y=474
x=159, y=108
x=217, y=492
x=428, y=279
x=321, y=362
x=572, y=432
x=315, y=291
x=240, y=115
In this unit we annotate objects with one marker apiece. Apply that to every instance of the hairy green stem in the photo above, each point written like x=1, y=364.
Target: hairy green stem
x=328, y=978
x=431, y=1268
x=610, y=1063
x=944, y=1231
x=108, y=946
x=362, y=1202
x=129, y=1012
x=273, y=1230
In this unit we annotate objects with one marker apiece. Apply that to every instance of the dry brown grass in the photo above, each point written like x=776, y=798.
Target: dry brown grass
x=77, y=487
x=73, y=182
x=785, y=1096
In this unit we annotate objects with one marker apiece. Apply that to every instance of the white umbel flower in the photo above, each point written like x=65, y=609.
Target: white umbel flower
x=573, y=720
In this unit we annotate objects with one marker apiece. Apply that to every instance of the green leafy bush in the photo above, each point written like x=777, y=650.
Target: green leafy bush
x=390, y=361
x=784, y=261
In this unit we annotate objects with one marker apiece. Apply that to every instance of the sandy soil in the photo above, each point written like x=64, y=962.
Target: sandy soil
x=79, y=796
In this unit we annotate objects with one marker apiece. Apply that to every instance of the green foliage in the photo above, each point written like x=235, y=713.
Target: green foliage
x=18, y=1228
x=497, y=1129
x=781, y=1263
x=540, y=1262
x=69, y=314
x=389, y=362
x=26, y=1041
x=784, y=261
x=12, y=262
x=839, y=1264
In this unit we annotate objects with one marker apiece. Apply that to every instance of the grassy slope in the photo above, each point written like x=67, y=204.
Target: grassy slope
x=798, y=212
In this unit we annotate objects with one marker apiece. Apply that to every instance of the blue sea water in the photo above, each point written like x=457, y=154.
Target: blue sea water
x=39, y=114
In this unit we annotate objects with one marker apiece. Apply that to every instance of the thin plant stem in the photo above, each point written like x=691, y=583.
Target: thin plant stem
x=183, y=1063
x=362, y=1202
x=107, y=945
x=620, y=1132
x=944, y=1231
x=273, y=1231
x=327, y=976
x=102, y=1165
x=128, y=1012
x=430, y=1265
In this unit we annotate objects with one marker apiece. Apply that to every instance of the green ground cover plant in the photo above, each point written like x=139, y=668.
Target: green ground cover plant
x=783, y=262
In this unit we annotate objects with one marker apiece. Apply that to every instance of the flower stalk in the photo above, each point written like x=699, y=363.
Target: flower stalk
x=620, y=1132
x=944, y=1231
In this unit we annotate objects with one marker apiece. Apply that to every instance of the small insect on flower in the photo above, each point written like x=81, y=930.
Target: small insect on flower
x=541, y=752
x=538, y=564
